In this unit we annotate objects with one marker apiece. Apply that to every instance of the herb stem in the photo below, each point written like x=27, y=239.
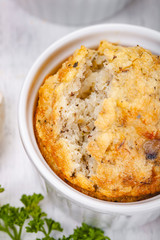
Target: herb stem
x=15, y=233
x=44, y=231
x=6, y=230
x=20, y=232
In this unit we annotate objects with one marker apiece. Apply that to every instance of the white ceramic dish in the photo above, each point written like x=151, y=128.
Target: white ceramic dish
x=73, y=12
x=78, y=205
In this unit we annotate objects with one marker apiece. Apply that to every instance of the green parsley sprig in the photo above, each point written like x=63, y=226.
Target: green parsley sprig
x=12, y=219
x=1, y=189
x=30, y=215
x=86, y=232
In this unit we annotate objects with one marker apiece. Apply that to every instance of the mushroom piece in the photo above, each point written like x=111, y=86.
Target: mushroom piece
x=151, y=148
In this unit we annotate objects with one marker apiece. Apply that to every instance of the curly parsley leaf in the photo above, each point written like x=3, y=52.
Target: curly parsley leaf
x=31, y=203
x=13, y=219
x=35, y=225
x=86, y=232
x=44, y=225
x=1, y=189
x=52, y=225
x=31, y=200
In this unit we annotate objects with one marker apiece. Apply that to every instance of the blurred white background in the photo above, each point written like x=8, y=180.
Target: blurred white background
x=23, y=37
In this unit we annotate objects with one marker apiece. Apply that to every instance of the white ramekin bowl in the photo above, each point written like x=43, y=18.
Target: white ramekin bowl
x=73, y=12
x=80, y=206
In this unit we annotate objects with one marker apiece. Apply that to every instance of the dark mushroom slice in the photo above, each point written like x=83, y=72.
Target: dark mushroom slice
x=151, y=148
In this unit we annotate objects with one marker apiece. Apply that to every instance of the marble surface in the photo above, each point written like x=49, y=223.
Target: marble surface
x=22, y=39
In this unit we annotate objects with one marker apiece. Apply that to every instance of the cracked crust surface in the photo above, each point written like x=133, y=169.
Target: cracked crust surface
x=97, y=122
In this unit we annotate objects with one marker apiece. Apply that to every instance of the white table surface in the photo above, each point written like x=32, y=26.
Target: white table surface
x=22, y=39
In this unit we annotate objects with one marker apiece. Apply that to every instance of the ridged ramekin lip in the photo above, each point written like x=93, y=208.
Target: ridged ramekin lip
x=28, y=141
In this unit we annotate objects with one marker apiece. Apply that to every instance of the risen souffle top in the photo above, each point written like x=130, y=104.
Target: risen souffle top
x=97, y=122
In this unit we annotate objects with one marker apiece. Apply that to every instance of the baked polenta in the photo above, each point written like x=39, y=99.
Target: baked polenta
x=97, y=122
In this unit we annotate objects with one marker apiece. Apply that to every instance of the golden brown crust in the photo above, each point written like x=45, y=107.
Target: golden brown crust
x=125, y=147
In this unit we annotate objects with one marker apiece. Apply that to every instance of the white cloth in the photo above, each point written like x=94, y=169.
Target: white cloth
x=22, y=39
